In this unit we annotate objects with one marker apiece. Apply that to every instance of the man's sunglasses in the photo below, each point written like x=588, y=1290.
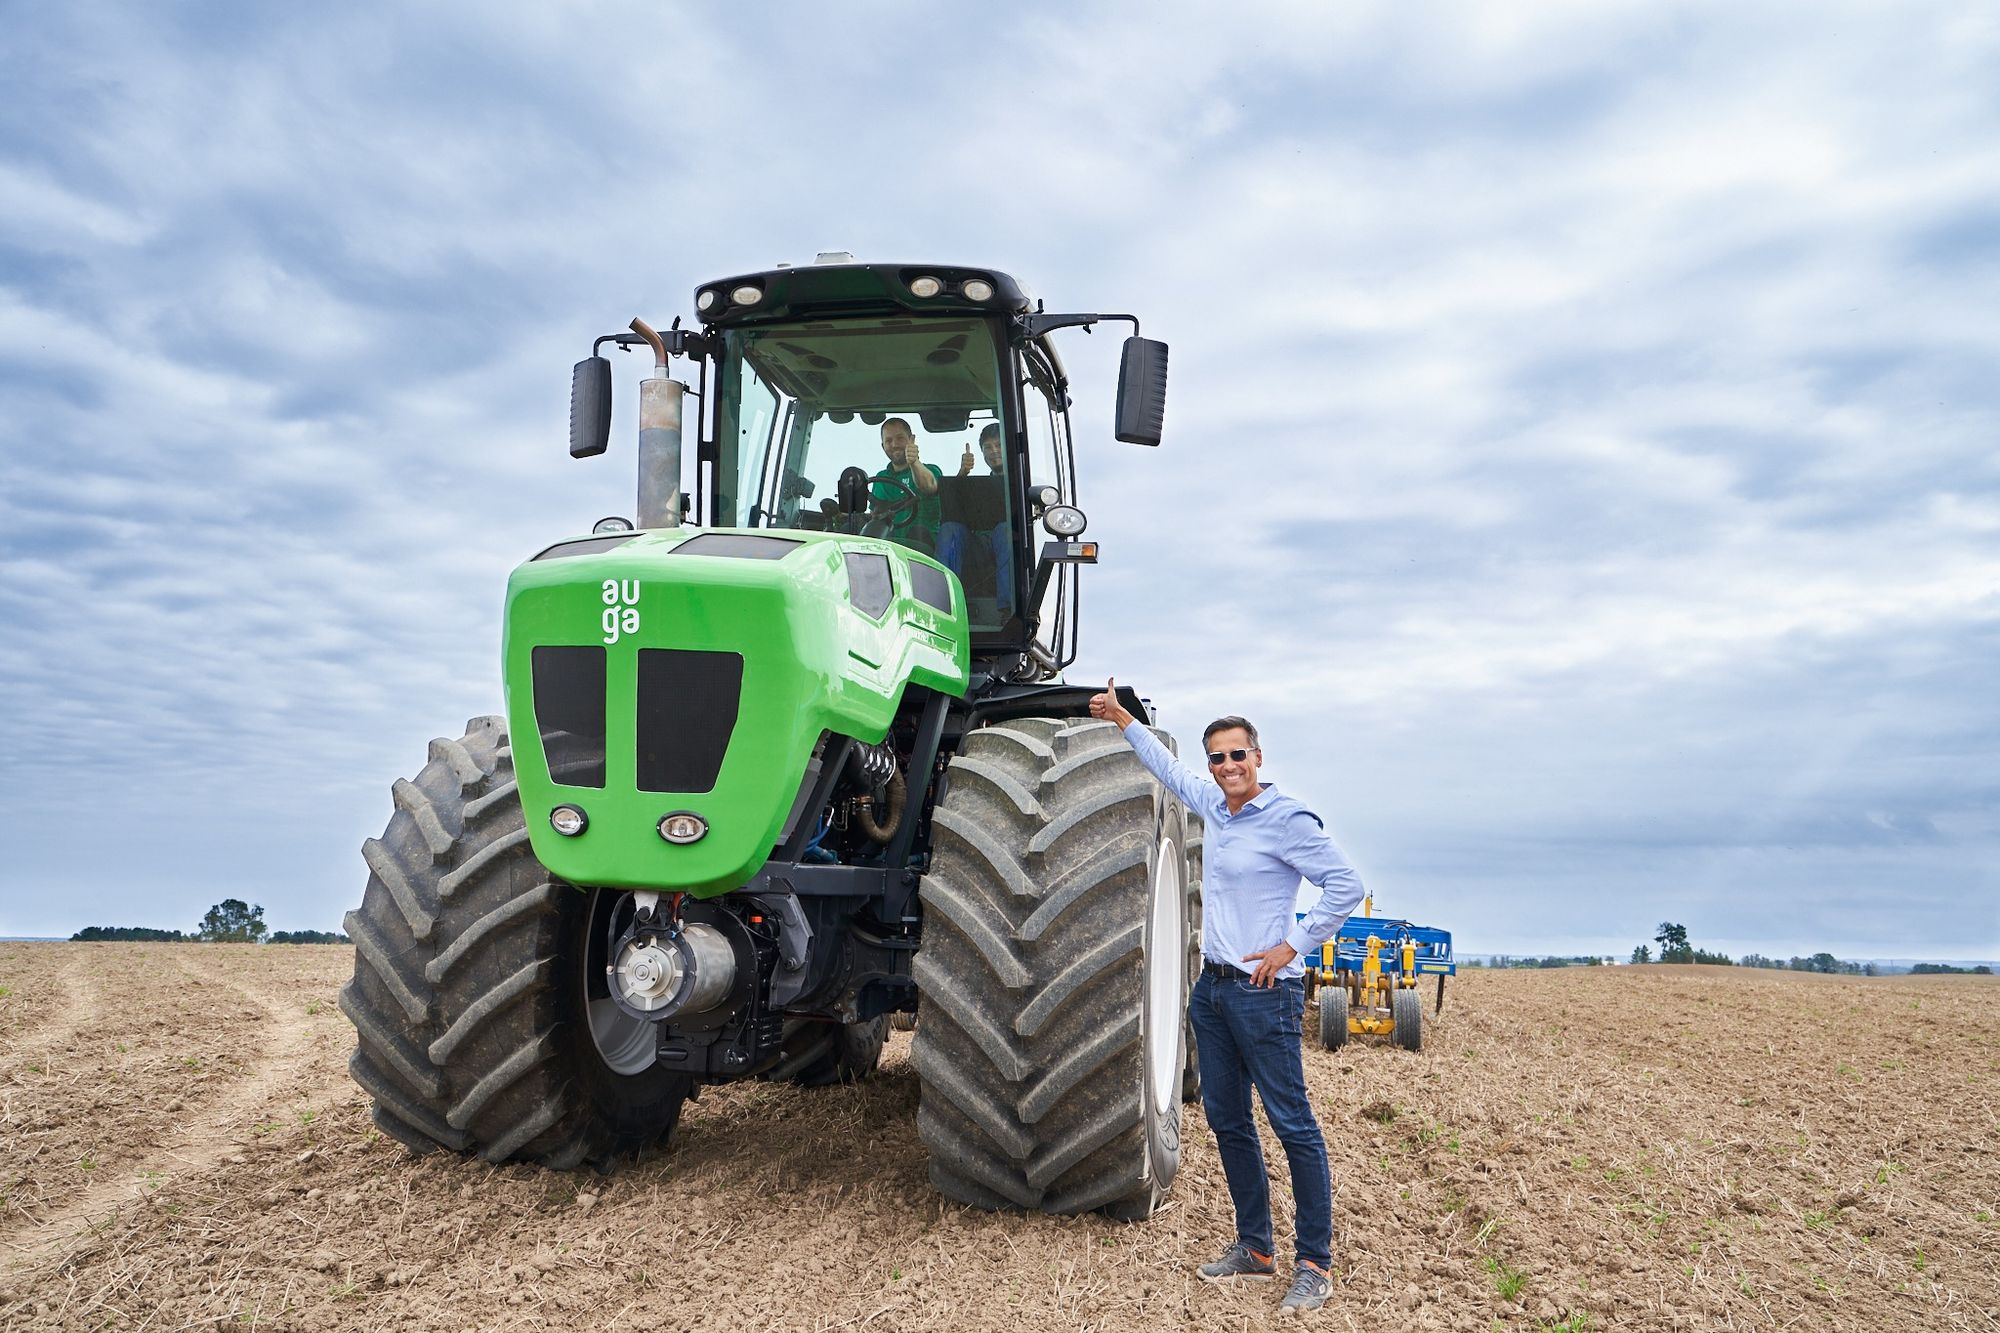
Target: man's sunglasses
x=1217, y=757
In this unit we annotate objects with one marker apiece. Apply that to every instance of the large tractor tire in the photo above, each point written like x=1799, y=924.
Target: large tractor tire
x=1191, y=1072
x=478, y=993
x=1406, y=1011
x=1053, y=975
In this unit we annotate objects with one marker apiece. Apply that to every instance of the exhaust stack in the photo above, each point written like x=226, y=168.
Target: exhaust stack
x=659, y=438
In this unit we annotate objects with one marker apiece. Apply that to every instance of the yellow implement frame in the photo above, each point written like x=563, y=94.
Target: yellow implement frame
x=1373, y=1002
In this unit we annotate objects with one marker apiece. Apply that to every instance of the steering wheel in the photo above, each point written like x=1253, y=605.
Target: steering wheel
x=890, y=513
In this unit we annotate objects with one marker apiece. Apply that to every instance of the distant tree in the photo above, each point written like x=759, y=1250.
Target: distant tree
x=1825, y=963
x=234, y=921
x=1759, y=960
x=1982, y=970
x=95, y=934
x=1712, y=959
x=307, y=937
x=1944, y=969
x=1673, y=942
x=1642, y=954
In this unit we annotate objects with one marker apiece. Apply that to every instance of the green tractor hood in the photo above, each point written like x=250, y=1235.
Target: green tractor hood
x=684, y=671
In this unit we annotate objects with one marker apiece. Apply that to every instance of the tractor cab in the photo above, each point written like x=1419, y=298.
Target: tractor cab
x=925, y=404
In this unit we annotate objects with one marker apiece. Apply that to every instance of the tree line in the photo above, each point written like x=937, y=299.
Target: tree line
x=1675, y=948
x=231, y=921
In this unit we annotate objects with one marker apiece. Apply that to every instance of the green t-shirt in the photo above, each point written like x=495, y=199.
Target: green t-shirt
x=922, y=522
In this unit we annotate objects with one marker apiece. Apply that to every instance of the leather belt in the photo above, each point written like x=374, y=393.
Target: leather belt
x=1223, y=971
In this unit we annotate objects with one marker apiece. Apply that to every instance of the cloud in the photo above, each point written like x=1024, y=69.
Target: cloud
x=1579, y=449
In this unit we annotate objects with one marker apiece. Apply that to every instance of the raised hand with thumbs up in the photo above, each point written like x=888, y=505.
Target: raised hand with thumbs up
x=1106, y=705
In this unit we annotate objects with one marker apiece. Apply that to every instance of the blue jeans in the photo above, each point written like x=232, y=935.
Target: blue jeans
x=952, y=539
x=1248, y=1036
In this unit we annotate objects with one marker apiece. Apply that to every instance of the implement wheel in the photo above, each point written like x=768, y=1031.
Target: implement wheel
x=478, y=997
x=1333, y=1017
x=1053, y=975
x=1407, y=1009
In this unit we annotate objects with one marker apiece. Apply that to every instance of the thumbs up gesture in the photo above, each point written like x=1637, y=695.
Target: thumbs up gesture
x=1106, y=705
x=965, y=463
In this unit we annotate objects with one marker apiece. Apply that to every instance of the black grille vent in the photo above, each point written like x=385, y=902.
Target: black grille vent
x=868, y=585
x=740, y=545
x=569, y=712
x=931, y=586
x=687, y=712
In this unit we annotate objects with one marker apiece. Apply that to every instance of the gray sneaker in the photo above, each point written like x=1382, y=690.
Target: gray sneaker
x=1238, y=1261
x=1310, y=1288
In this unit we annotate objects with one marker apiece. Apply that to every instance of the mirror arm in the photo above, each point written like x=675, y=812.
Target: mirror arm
x=680, y=342
x=1035, y=325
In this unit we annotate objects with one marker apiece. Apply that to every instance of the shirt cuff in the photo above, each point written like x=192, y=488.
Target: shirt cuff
x=1301, y=943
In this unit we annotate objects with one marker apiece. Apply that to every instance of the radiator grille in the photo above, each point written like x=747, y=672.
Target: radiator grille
x=686, y=714
x=569, y=712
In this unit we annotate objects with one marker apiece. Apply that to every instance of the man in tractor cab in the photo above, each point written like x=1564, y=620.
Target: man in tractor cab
x=1248, y=1004
x=954, y=537
x=909, y=476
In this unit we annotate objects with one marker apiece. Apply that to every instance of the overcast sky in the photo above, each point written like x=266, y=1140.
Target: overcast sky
x=1580, y=449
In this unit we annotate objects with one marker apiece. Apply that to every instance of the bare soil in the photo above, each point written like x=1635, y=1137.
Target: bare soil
x=1645, y=1148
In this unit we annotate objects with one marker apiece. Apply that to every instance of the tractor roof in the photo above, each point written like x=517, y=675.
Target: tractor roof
x=837, y=289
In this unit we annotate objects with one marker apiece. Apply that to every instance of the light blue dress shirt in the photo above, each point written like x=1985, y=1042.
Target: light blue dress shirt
x=1252, y=862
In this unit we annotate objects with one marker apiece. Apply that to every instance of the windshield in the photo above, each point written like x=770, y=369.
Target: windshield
x=916, y=405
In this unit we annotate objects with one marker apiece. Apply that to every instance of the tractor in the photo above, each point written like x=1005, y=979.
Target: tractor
x=789, y=753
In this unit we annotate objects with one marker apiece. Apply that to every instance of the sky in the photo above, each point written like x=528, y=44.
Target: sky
x=1580, y=452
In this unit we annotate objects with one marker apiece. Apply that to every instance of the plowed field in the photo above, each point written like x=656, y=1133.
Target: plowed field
x=1647, y=1148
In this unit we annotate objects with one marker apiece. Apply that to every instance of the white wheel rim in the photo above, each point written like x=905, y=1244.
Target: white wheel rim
x=1166, y=989
x=624, y=1042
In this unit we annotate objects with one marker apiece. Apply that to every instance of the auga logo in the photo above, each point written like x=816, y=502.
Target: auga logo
x=621, y=608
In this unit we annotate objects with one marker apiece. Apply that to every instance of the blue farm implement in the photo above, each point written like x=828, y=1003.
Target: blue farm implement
x=1366, y=979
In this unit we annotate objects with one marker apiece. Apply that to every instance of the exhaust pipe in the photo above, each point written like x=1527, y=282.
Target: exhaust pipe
x=659, y=439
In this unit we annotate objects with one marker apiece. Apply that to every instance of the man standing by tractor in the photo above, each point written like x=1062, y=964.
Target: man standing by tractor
x=1248, y=1004
x=909, y=478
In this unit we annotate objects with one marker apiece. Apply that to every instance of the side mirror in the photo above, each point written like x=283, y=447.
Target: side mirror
x=852, y=490
x=1142, y=391
x=590, y=407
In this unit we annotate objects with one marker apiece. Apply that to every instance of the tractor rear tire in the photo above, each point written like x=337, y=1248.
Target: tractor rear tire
x=1333, y=1017
x=1406, y=1008
x=1053, y=975
x=851, y=1055
x=477, y=1029
x=1191, y=1074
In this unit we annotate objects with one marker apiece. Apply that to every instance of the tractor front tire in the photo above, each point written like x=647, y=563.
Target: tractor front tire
x=1053, y=975
x=478, y=1029
x=1406, y=1009
x=1333, y=1016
